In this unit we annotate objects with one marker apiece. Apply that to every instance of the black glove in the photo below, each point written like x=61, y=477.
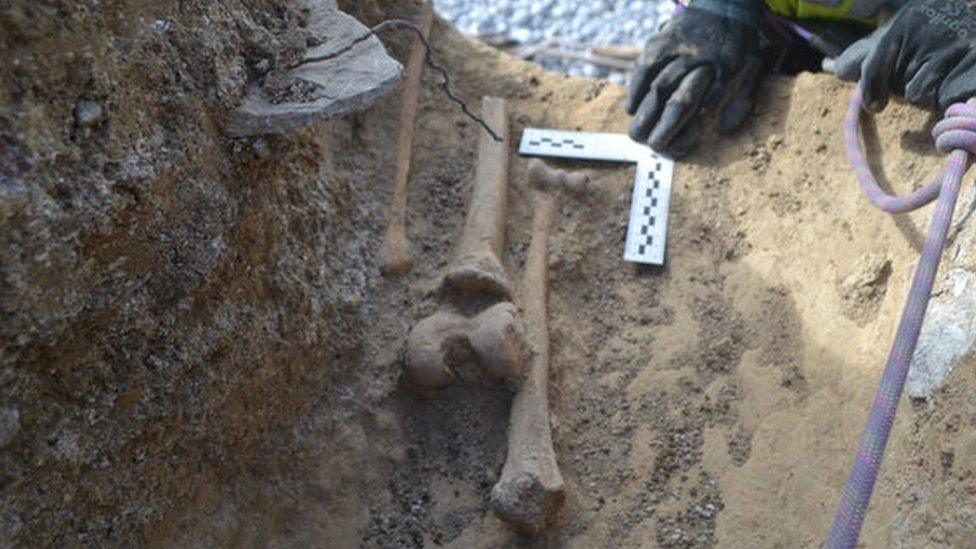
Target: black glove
x=705, y=60
x=927, y=52
x=847, y=65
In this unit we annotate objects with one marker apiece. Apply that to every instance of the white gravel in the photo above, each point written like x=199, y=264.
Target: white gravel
x=576, y=25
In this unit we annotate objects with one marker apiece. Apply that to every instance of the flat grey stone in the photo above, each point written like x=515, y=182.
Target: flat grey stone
x=947, y=335
x=348, y=83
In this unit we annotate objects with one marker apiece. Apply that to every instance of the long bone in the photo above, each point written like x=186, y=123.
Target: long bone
x=490, y=344
x=478, y=268
x=395, y=254
x=531, y=491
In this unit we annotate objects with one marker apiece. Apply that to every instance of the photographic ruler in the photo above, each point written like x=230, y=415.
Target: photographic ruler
x=647, y=228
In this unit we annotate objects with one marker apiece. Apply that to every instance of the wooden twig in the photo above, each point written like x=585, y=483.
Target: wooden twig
x=531, y=50
x=585, y=56
x=615, y=51
x=609, y=55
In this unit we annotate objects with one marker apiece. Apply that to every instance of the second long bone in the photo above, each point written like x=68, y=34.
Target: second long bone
x=478, y=332
x=531, y=490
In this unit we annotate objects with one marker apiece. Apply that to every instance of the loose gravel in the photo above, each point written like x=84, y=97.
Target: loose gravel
x=569, y=25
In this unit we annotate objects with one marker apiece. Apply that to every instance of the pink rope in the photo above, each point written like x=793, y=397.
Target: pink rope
x=956, y=135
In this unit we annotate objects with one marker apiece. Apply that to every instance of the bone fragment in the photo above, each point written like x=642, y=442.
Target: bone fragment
x=478, y=333
x=395, y=256
x=447, y=347
x=531, y=491
x=478, y=268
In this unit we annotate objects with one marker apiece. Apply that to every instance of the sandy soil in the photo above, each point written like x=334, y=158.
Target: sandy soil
x=713, y=402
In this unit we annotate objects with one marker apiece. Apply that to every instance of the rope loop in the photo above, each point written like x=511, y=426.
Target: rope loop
x=957, y=130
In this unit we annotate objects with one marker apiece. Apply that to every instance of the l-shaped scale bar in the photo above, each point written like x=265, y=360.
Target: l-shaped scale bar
x=647, y=229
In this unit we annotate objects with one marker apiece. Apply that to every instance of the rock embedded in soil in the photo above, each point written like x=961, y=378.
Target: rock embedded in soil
x=88, y=113
x=9, y=426
x=948, y=334
x=863, y=289
x=294, y=97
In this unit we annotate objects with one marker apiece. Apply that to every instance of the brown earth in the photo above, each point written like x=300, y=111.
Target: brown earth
x=199, y=349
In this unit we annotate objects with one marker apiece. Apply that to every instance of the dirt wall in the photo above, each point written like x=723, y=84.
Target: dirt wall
x=172, y=300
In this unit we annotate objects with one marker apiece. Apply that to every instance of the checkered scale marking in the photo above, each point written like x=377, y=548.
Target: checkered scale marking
x=609, y=147
x=646, y=215
x=557, y=143
x=649, y=210
x=648, y=224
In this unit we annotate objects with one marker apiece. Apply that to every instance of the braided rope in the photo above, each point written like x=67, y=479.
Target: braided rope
x=955, y=135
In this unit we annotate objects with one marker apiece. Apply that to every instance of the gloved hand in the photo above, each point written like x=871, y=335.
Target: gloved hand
x=847, y=65
x=926, y=52
x=705, y=60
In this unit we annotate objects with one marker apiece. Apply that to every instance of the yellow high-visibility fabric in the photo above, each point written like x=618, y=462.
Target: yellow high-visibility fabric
x=801, y=9
x=866, y=11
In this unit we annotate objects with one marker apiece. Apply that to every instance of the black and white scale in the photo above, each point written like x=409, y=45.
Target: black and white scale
x=647, y=230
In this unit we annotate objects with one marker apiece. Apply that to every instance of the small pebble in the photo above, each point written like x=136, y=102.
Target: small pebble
x=88, y=113
x=261, y=149
x=9, y=426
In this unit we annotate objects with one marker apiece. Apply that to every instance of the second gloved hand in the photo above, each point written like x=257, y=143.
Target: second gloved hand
x=927, y=53
x=704, y=62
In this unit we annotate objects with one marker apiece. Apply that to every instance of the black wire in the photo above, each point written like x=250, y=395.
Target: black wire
x=428, y=60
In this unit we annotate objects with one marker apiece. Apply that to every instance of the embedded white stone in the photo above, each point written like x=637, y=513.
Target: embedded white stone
x=947, y=335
